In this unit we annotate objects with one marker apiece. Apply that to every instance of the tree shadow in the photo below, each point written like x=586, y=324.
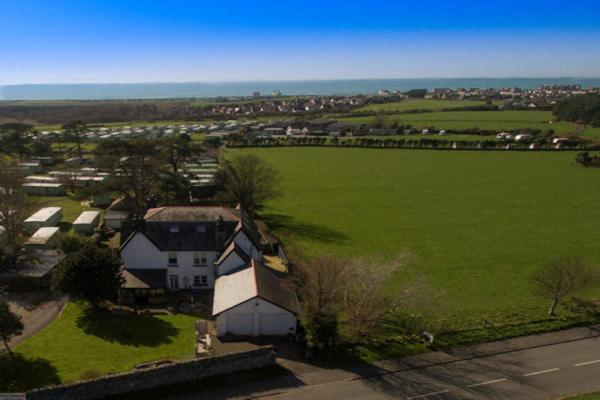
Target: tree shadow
x=304, y=230
x=20, y=373
x=64, y=226
x=131, y=330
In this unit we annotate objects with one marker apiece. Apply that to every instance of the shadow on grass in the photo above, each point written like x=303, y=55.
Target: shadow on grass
x=304, y=230
x=65, y=226
x=131, y=330
x=20, y=374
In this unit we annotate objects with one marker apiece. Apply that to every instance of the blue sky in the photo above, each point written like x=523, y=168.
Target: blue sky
x=173, y=41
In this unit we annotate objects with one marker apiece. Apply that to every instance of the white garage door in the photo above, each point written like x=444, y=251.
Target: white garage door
x=273, y=324
x=240, y=324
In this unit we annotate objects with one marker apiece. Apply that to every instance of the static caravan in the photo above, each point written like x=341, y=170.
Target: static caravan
x=42, y=179
x=113, y=219
x=45, y=160
x=48, y=216
x=45, y=189
x=43, y=238
x=73, y=161
x=32, y=167
x=86, y=222
x=89, y=181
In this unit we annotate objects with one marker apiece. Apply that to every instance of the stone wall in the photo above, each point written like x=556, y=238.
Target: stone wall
x=150, y=378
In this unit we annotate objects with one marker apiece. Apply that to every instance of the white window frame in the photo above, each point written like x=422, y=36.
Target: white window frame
x=201, y=257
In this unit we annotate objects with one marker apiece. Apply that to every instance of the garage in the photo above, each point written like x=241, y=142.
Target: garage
x=254, y=301
x=273, y=324
x=240, y=324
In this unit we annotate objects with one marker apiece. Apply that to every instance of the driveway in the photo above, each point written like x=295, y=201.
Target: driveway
x=37, y=309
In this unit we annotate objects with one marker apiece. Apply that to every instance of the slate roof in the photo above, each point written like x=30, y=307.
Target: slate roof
x=145, y=278
x=233, y=248
x=36, y=265
x=196, y=228
x=254, y=281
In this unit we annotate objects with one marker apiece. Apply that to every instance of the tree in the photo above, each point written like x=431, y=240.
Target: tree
x=75, y=131
x=91, y=274
x=249, y=180
x=11, y=324
x=15, y=207
x=135, y=169
x=178, y=148
x=563, y=277
x=16, y=139
x=346, y=299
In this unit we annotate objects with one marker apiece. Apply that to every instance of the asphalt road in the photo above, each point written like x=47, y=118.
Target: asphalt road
x=547, y=372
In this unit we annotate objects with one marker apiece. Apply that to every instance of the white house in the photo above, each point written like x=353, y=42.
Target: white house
x=187, y=245
x=254, y=302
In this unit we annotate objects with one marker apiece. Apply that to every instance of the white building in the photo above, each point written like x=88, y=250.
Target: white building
x=187, y=244
x=253, y=302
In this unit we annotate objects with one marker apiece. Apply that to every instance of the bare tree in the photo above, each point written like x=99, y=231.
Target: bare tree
x=15, y=207
x=250, y=181
x=563, y=277
x=354, y=296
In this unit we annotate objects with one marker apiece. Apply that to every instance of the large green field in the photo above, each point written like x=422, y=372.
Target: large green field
x=422, y=104
x=76, y=344
x=492, y=120
x=477, y=223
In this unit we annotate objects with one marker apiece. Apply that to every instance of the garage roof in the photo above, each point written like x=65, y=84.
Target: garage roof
x=253, y=281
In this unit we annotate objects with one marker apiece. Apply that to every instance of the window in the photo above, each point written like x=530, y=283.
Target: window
x=203, y=280
x=173, y=258
x=200, y=258
x=196, y=280
x=174, y=228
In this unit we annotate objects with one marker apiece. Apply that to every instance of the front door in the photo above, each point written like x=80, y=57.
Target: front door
x=174, y=282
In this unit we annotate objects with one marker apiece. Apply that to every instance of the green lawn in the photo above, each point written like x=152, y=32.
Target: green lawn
x=76, y=343
x=423, y=104
x=477, y=223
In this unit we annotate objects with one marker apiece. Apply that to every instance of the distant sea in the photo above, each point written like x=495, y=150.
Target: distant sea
x=216, y=89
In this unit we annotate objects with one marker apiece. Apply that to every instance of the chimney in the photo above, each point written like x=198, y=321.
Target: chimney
x=220, y=233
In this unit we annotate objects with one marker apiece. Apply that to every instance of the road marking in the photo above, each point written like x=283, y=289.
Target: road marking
x=582, y=364
x=487, y=383
x=542, y=372
x=428, y=394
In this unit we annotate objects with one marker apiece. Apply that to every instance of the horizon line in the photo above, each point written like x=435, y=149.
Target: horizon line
x=296, y=80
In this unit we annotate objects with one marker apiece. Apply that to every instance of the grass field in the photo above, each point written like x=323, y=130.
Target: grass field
x=477, y=223
x=76, y=343
x=422, y=104
x=492, y=120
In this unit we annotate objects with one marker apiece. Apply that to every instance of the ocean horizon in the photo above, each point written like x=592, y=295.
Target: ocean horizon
x=121, y=91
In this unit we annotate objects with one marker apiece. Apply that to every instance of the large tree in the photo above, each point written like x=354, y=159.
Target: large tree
x=135, y=167
x=562, y=278
x=249, y=180
x=92, y=274
x=15, y=207
x=74, y=131
x=10, y=323
x=348, y=298
x=178, y=148
x=16, y=139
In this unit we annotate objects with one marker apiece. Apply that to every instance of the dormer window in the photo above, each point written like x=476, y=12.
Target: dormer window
x=174, y=228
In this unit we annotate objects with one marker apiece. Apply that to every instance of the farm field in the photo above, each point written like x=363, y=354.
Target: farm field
x=493, y=120
x=423, y=104
x=77, y=343
x=478, y=224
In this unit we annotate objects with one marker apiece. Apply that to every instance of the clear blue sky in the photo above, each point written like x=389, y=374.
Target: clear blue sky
x=54, y=41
